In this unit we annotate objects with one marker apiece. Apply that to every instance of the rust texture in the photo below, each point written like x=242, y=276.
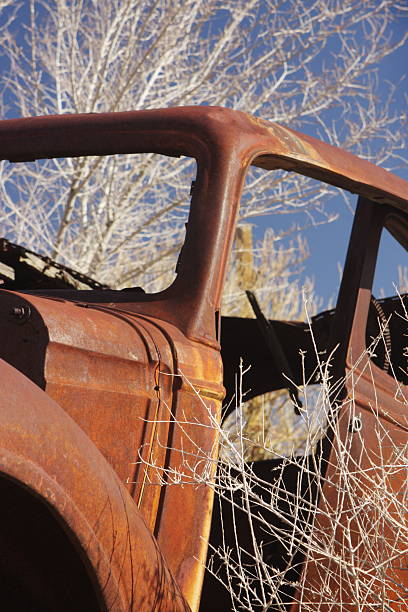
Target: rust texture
x=120, y=376
x=380, y=412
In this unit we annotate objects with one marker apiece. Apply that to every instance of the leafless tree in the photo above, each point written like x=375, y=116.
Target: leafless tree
x=311, y=65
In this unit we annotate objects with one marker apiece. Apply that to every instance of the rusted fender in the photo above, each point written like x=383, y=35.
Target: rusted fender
x=44, y=450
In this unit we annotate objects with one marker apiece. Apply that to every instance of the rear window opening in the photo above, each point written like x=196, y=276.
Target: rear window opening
x=147, y=194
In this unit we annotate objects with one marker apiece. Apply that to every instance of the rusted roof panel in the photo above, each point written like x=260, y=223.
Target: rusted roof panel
x=193, y=131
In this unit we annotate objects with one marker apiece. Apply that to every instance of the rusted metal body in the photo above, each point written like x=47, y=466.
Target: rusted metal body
x=381, y=437
x=120, y=376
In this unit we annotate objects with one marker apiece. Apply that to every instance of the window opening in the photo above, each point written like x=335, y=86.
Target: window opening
x=119, y=219
x=387, y=324
x=283, y=401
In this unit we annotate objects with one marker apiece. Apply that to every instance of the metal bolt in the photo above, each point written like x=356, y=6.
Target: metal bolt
x=356, y=424
x=22, y=313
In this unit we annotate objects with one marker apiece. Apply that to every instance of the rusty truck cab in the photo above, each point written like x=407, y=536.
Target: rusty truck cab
x=109, y=395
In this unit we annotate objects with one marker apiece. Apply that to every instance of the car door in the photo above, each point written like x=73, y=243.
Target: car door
x=356, y=552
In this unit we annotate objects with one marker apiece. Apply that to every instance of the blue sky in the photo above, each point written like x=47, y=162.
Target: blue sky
x=328, y=243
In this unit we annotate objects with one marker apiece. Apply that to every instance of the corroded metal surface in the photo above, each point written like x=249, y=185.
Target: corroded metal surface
x=372, y=432
x=224, y=143
x=113, y=373
x=141, y=374
x=43, y=450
